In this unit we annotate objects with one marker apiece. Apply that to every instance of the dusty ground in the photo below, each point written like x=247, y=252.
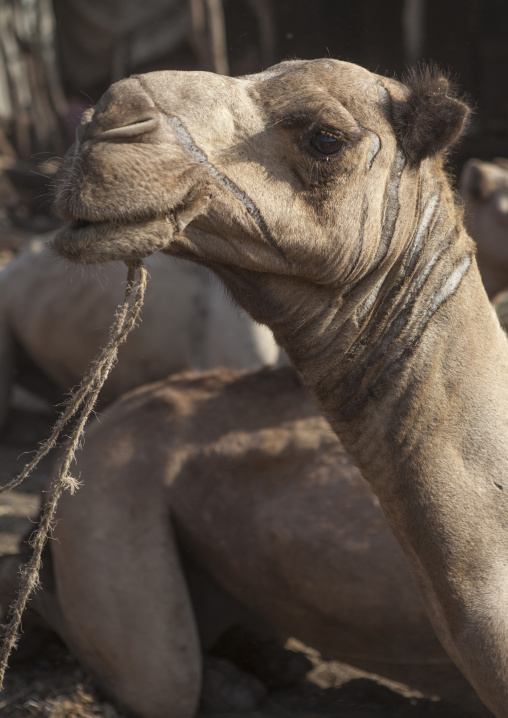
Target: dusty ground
x=54, y=686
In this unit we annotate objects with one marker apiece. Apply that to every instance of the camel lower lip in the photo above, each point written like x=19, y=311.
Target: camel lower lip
x=87, y=242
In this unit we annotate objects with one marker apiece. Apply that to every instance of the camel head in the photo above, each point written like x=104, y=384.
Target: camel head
x=293, y=172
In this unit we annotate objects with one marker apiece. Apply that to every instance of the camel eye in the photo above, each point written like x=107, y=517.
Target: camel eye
x=326, y=144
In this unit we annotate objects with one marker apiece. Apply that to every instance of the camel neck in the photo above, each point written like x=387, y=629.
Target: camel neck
x=437, y=377
x=420, y=400
x=357, y=342
x=421, y=348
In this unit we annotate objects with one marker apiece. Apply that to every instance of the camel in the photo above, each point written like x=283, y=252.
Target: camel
x=315, y=191
x=187, y=322
x=484, y=189
x=212, y=446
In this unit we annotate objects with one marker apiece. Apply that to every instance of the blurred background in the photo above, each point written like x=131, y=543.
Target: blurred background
x=58, y=56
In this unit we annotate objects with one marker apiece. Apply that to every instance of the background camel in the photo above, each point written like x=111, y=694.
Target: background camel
x=309, y=553
x=484, y=189
x=315, y=191
x=53, y=318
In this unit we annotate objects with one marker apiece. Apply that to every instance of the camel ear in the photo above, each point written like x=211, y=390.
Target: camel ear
x=431, y=118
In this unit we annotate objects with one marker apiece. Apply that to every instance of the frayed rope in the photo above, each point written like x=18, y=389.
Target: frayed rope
x=82, y=399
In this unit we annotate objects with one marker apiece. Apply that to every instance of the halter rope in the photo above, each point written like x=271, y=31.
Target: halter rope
x=82, y=398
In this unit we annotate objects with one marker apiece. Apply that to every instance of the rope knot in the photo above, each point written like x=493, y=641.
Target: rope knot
x=133, y=263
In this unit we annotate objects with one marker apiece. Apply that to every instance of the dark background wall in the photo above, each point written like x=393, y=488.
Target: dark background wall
x=469, y=38
x=100, y=41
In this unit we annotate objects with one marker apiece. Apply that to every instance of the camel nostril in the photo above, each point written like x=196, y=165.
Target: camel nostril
x=141, y=126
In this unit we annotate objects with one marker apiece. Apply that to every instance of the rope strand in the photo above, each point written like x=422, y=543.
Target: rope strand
x=82, y=399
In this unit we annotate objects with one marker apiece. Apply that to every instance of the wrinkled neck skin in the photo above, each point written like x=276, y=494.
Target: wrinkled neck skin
x=410, y=367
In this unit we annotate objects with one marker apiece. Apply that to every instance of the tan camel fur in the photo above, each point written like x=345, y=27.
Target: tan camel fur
x=484, y=189
x=266, y=505
x=315, y=191
x=57, y=316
